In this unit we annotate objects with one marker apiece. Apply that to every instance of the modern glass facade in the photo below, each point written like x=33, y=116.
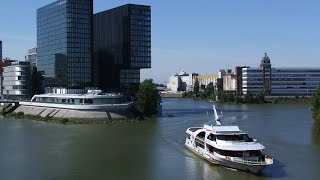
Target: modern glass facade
x=64, y=41
x=284, y=81
x=0, y=50
x=122, y=46
x=32, y=56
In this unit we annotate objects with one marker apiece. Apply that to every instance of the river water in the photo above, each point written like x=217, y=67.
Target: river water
x=154, y=149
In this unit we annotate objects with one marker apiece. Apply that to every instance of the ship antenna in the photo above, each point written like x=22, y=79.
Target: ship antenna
x=216, y=116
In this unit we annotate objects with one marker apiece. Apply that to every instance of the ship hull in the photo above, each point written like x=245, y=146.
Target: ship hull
x=240, y=166
x=256, y=168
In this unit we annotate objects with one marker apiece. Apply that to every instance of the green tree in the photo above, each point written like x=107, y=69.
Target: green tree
x=249, y=98
x=196, y=87
x=148, y=98
x=230, y=97
x=260, y=98
x=209, y=89
x=315, y=104
x=223, y=96
x=238, y=99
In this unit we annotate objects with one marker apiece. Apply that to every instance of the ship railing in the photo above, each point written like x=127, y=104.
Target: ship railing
x=200, y=139
x=244, y=161
x=268, y=160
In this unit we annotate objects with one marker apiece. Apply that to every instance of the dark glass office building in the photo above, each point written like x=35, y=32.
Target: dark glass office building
x=122, y=46
x=65, y=43
x=0, y=50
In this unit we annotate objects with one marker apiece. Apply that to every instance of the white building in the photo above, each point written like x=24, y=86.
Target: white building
x=185, y=82
x=181, y=82
x=229, y=82
x=16, y=81
x=204, y=80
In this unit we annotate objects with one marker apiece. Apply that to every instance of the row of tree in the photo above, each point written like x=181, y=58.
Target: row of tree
x=224, y=96
x=315, y=105
x=248, y=98
x=227, y=97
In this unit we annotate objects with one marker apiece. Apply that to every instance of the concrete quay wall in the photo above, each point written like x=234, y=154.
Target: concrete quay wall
x=46, y=112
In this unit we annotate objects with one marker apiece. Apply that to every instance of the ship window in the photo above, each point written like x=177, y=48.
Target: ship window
x=88, y=101
x=212, y=137
x=63, y=100
x=200, y=139
x=228, y=153
x=210, y=148
x=238, y=137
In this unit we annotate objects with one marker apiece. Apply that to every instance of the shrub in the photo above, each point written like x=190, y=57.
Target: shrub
x=20, y=114
x=64, y=120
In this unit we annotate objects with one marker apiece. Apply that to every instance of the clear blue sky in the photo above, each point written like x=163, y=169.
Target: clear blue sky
x=198, y=36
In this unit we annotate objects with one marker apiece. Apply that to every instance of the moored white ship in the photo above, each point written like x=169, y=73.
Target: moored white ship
x=227, y=146
x=94, y=100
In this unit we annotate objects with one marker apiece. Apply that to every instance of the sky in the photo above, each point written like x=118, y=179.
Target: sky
x=200, y=36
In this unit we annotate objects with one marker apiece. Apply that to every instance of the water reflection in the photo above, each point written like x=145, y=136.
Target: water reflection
x=217, y=172
x=316, y=133
x=155, y=149
x=276, y=170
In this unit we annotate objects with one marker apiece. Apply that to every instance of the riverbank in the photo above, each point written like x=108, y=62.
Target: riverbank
x=287, y=100
x=71, y=116
x=21, y=115
x=247, y=98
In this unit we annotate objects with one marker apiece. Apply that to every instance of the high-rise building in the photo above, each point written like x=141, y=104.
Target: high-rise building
x=32, y=56
x=16, y=81
x=4, y=63
x=37, y=86
x=238, y=73
x=64, y=41
x=289, y=81
x=285, y=81
x=182, y=81
x=0, y=50
x=266, y=71
x=122, y=46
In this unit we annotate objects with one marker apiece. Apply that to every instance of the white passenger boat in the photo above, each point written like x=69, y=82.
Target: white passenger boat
x=94, y=100
x=227, y=146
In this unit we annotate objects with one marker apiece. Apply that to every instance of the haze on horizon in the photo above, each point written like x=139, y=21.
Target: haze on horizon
x=200, y=37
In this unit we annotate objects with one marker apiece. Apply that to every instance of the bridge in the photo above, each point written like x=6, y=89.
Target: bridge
x=8, y=106
x=8, y=101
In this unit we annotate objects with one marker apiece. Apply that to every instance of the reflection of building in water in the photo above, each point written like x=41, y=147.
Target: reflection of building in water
x=60, y=69
x=316, y=133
